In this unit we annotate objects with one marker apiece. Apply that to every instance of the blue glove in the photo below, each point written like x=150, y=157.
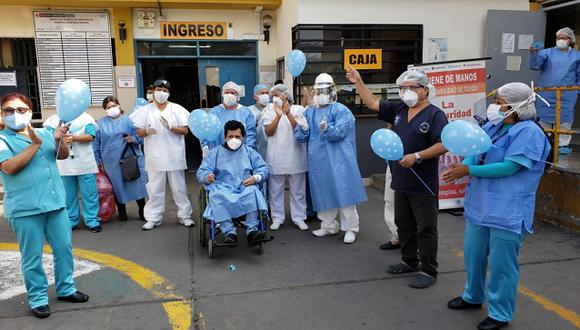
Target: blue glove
x=538, y=45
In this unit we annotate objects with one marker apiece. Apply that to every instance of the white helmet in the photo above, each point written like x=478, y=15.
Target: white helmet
x=323, y=92
x=323, y=80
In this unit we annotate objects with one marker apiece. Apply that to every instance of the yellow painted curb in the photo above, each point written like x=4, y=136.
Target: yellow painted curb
x=178, y=311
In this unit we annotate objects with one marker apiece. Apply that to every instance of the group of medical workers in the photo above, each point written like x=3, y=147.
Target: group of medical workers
x=278, y=142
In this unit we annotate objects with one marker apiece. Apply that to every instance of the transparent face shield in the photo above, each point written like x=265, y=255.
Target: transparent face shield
x=323, y=94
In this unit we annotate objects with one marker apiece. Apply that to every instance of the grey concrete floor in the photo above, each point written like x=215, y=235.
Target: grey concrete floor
x=300, y=282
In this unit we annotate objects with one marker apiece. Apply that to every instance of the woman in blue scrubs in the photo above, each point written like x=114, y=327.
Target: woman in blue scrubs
x=34, y=201
x=116, y=135
x=499, y=203
x=558, y=66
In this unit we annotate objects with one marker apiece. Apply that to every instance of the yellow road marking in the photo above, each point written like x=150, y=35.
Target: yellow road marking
x=546, y=303
x=178, y=312
x=551, y=306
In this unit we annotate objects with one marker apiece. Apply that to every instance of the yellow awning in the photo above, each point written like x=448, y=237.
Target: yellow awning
x=200, y=4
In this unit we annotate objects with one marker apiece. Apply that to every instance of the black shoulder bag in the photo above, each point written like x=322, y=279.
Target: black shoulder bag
x=129, y=165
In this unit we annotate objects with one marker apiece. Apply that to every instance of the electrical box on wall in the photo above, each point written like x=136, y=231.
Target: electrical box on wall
x=146, y=19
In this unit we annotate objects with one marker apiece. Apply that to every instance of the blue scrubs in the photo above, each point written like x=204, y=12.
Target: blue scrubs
x=261, y=138
x=333, y=172
x=558, y=68
x=229, y=198
x=87, y=184
x=497, y=210
x=243, y=115
x=108, y=146
x=34, y=204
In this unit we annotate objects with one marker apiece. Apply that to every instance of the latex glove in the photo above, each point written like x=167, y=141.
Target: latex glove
x=323, y=124
x=301, y=120
x=151, y=131
x=204, y=151
x=165, y=122
x=210, y=178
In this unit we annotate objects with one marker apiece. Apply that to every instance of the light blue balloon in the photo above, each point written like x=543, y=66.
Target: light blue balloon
x=139, y=102
x=205, y=126
x=73, y=97
x=387, y=144
x=296, y=62
x=465, y=138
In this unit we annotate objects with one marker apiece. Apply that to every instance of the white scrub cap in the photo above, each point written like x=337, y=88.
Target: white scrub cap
x=521, y=97
x=283, y=89
x=569, y=32
x=415, y=76
x=232, y=85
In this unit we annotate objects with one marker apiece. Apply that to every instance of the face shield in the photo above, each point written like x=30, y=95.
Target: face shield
x=323, y=94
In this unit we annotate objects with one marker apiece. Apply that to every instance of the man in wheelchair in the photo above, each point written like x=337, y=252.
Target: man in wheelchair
x=230, y=173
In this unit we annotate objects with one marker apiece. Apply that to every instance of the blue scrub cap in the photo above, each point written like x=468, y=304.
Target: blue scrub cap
x=260, y=87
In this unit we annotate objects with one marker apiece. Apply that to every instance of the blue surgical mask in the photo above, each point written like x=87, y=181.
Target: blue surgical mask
x=16, y=121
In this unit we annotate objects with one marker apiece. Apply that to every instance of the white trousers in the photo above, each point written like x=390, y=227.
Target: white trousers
x=564, y=139
x=156, y=189
x=390, y=207
x=348, y=219
x=297, y=183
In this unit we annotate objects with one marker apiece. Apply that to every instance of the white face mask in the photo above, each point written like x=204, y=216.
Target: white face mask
x=277, y=101
x=230, y=99
x=234, y=143
x=562, y=44
x=323, y=99
x=114, y=111
x=494, y=115
x=149, y=97
x=263, y=99
x=161, y=97
x=410, y=98
x=17, y=121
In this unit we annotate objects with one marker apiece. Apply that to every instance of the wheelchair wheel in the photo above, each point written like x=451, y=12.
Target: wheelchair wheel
x=210, y=247
x=261, y=248
x=203, y=232
x=202, y=203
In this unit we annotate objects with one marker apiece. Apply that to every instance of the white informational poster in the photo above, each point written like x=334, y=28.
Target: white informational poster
x=8, y=78
x=74, y=45
x=126, y=82
x=460, y=93
x=525, y=41
x=508, y=43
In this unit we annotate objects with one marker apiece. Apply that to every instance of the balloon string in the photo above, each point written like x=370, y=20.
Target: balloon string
x=423, y=182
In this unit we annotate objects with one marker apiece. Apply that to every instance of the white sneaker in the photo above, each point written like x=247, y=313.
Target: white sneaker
x=324, y=232
x=349, y=237
x=275, y=225
x=187, y=222
x=151, y=224
x=301, y=224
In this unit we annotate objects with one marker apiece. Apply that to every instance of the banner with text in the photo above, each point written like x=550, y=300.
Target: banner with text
x=460, y=93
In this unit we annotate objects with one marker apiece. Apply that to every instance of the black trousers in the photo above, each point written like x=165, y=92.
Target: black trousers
x=416, y=220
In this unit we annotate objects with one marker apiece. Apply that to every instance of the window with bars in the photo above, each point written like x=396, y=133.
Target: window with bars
x=324, y=47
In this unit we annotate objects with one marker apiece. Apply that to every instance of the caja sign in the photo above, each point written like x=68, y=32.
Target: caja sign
x=194, y=30
x=363, y=59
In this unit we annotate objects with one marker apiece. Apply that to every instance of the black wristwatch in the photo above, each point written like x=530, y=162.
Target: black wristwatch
x=418, y=159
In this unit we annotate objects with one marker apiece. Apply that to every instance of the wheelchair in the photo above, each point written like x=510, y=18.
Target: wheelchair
x=210, y=235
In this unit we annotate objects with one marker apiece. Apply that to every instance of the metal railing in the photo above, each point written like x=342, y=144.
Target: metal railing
x=557, y=130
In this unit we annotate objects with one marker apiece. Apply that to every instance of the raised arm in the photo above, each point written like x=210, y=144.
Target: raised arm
x=365, y=94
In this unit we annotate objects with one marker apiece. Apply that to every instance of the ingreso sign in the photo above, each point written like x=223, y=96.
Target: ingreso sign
x=194, y=30
x=363, y=59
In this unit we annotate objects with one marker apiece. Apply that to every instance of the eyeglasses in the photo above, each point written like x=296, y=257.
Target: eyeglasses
x=10, y=111
x=404, y=88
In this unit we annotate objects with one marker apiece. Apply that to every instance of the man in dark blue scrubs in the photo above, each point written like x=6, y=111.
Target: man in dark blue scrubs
x=419, y=124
